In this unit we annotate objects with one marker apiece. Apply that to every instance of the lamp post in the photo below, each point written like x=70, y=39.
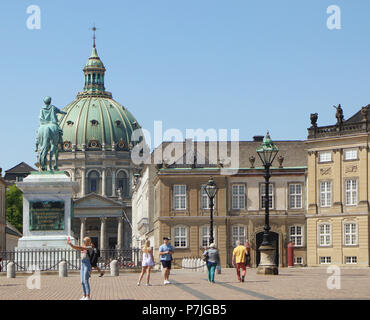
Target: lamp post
x=211, y=190
x=267, y=152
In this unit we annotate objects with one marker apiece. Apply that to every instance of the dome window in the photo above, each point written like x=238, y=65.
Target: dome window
x=67, y=145
x=118, y=123
x=94, y=144
x=94, y=122
x=121, y=144
x=70, y=123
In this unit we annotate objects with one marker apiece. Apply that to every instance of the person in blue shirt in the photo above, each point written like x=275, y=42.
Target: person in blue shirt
x=165, y=253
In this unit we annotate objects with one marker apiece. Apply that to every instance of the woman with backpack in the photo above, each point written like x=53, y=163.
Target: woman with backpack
x=147, y=262
x=212, y=258
x=86, y=252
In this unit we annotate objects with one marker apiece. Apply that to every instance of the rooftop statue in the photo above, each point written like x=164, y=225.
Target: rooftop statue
x=49, y=135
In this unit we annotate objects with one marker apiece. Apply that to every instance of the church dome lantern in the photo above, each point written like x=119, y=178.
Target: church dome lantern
x=94, y=120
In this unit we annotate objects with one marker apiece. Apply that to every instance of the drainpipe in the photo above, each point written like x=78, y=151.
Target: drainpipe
x=226, y=220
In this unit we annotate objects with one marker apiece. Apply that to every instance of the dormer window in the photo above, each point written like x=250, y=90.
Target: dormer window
x=94, y=122
x=70, y=123
x=118, y=123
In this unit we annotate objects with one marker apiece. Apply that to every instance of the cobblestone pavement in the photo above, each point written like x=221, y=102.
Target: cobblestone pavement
x=294, y=283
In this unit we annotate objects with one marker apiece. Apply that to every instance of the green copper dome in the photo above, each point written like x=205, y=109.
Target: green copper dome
x=95, y=121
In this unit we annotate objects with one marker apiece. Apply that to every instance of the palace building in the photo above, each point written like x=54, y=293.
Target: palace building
x=96, y=153
x=170, y=200
x=338, y=220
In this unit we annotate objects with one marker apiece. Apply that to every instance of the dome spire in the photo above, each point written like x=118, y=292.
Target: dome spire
x=94, y=37
x=94, y=72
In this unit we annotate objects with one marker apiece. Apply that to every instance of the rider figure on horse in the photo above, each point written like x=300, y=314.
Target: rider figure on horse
x=48, y=114
x=49, y=134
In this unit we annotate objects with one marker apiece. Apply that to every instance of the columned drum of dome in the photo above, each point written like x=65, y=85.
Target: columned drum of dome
x=96, y=153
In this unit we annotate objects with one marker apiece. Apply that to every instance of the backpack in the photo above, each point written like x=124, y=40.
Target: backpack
x=94, y=256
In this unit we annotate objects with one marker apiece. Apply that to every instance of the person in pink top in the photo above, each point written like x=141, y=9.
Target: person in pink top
x=147, y=262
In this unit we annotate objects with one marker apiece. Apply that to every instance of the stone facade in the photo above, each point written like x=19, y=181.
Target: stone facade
x=103, y=214
x=338, y=218
x=237, y=215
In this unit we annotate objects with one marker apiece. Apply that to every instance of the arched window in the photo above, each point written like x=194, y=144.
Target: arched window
x=89, y=78
x=122, y=183
x=98, y=78
x=93, y=182
x=93, y=77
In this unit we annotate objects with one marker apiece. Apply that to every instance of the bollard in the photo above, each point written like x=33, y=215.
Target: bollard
x=114, y=270
x=10, y=270
x=199, y=265
x=63, y=269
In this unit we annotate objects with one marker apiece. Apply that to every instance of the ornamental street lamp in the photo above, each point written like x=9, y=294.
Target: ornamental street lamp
x=267, y=152
x=211, y=190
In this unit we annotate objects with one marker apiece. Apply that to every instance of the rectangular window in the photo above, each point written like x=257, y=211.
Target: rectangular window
x=325, y=234
x=205, y=236
x=350, y=234
x=351, y=260
x=238, y=196
x=238, y=233
x=179, y=197
x=350, y=154
x=325, y=194
x=351, y=192
x=180, y=237
x=295, y=196
x=205, y=199
x=271, y=195
x=325, y=260
x=298, y=260
x=325, y=156
x=296, y=235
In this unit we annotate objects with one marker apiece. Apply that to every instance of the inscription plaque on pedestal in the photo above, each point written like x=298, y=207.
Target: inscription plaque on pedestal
x=46, y=215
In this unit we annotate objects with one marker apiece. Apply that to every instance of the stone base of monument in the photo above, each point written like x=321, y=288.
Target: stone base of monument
x=47, y=210
x=267, y=262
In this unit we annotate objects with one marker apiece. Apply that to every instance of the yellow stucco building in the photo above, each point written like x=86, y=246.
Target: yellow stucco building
x=338, y=185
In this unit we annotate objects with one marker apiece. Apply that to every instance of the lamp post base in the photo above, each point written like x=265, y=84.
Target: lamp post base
x=267, y=262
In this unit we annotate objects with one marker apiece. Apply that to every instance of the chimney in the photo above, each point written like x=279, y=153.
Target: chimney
x=258, y=138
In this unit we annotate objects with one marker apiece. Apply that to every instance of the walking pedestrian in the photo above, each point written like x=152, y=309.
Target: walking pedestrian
x=94, y=259
x=147, y=262
x=239, y=258
x=166, y=251
x=86, y=251
x=213, y=260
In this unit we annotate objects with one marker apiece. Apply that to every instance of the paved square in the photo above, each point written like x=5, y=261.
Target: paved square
x=294, y=283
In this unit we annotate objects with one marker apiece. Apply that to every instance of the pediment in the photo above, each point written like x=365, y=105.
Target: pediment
x=94, y=200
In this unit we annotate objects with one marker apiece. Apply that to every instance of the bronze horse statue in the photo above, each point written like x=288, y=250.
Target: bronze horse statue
x=49, y=135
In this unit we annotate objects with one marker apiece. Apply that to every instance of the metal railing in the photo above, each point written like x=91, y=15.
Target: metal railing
x=48, y=259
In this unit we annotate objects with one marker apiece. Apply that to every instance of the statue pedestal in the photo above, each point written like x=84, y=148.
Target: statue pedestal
x=47, y=210
x=267, y=262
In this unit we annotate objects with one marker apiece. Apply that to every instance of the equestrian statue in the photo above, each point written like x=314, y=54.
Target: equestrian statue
x=49, y=135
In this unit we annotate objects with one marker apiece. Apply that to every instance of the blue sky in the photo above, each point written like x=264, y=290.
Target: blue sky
x=251, y=65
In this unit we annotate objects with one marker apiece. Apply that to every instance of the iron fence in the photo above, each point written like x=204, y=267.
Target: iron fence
x=48, y=259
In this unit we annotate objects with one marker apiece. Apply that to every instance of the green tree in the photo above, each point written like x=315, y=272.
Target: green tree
x=14, y=207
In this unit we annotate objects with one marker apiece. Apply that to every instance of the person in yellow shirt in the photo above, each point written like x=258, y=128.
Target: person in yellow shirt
x=239, y=258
